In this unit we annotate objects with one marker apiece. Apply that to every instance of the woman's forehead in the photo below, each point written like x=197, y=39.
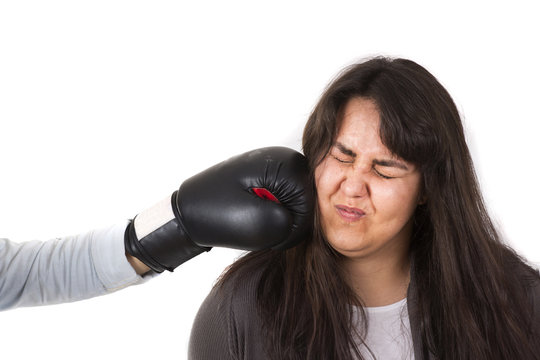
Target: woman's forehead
x=359, y=126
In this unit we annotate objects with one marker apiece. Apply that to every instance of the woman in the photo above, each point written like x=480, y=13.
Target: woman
x=404, y=261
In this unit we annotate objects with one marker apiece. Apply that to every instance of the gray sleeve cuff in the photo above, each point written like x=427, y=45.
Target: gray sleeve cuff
x=109, y=258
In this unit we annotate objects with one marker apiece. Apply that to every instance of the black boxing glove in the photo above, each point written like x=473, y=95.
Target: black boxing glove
x=258, y=200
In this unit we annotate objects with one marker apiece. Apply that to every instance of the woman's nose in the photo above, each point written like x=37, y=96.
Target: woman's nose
x=354, y=183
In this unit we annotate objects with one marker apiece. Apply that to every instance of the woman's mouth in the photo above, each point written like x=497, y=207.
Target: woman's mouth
x=350, y=213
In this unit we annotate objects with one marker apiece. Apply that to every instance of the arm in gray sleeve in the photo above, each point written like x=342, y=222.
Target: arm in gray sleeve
x=64, y=270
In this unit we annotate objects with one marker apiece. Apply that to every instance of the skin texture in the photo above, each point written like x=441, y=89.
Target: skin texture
x=367, y=197
x=139, y=267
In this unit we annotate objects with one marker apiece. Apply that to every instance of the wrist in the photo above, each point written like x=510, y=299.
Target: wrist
x=137, y=265
x=156, y=237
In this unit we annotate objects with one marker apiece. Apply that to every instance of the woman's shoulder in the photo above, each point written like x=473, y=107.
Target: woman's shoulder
x=239, y=283
x=238, y=291
x=228, y=325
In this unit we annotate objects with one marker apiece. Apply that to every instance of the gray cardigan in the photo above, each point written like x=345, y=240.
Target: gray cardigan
x=228, y=326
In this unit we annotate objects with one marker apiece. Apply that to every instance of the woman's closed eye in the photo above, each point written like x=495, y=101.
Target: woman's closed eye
x=342, y=159
x=346, y=160
x=384, y=169
x=382, y=175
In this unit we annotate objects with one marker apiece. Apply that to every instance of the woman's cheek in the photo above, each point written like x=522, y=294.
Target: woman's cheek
x=399, y=195
x=320, y=175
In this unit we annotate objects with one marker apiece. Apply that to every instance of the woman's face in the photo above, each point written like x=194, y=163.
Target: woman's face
x=366, y=195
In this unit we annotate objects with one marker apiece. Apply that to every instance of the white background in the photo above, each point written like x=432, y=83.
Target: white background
x=107, y=106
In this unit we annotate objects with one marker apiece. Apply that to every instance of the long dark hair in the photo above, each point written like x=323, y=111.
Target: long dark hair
x=470, y=288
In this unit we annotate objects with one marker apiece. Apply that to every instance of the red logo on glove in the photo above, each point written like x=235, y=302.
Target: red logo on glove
x=265, y=194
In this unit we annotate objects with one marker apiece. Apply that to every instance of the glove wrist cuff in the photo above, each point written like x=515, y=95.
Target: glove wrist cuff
x=157, y=238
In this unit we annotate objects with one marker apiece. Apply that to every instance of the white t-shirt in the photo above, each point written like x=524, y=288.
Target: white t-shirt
x=389, y=332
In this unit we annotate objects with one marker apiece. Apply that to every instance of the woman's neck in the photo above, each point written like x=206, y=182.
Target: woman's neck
x=379, y=283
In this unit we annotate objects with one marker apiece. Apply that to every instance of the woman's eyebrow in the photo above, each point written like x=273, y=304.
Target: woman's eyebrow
x=345, y=150
x=391, y=163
